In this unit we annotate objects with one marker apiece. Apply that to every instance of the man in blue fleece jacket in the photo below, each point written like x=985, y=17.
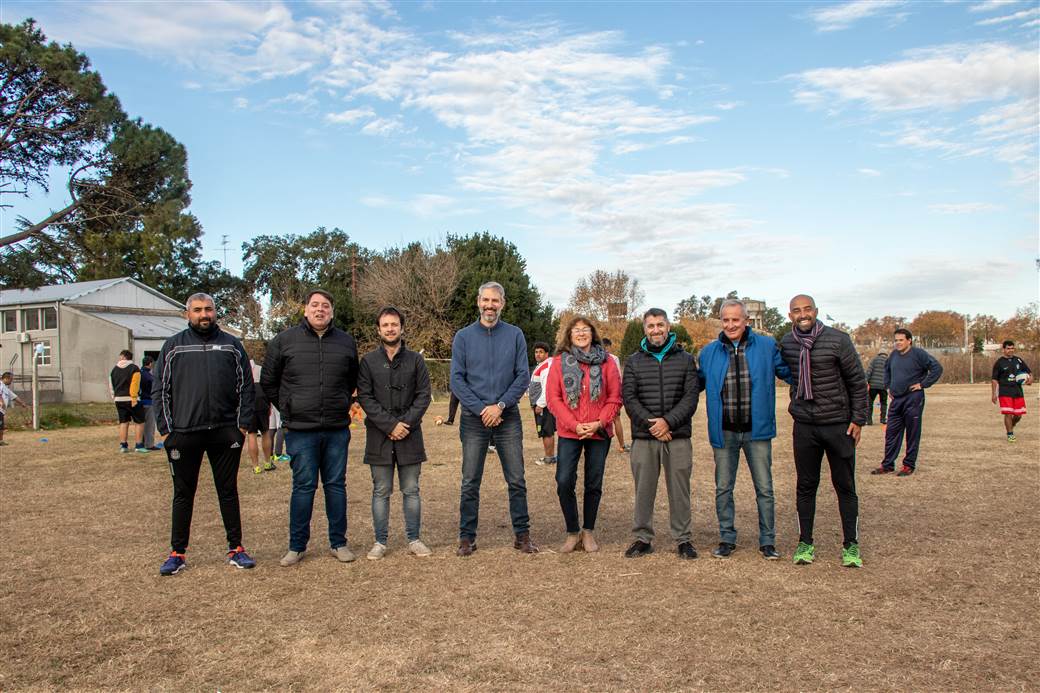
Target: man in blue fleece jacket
x=908, y=372
x=489, y=375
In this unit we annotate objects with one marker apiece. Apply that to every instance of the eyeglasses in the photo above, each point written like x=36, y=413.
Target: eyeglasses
x=581, y=330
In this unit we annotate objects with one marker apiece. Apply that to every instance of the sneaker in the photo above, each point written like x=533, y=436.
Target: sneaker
x=448, y=422
x=804, y=554
x=257, y=469
x=269, y=465
x=769, y=552
x=123, y=448
x=628, y=447
x=343, y=554
x=638, y=548
x=284, y=458
x=542, y=461
x=905, y=471
x=418, y=548
x=552, y=460
x=142, y=448
x=291, y=558
x=376, y=552
x=724, y=550
x=239, y=558
x=173, y=565
x=882, y=470
x=1012, y=438
x=850, y=557
x=686, y=551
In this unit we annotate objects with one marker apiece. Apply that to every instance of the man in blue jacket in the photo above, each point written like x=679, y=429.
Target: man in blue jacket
x=738, y=374
x=489, y=375
x=908, y=371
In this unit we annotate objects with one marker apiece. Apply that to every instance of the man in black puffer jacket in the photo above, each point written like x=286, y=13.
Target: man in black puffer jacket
x=203, y=392
x=828, y=405
x=310, y=373
x=660, y=389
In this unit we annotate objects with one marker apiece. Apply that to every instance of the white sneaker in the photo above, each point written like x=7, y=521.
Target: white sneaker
x=343, y=554
x=377, y=551
x=418, y=548
x=291, y=558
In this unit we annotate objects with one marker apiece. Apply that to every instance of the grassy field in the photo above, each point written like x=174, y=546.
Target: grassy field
x=947, y=599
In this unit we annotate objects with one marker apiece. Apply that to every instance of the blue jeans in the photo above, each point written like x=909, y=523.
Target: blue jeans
x=509, y=444
x=321, y=452
x=383, y=486
x=568, y=455
x=759, y=456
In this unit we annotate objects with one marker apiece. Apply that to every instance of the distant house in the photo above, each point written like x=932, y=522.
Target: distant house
x=82, y=327
x=756, y=313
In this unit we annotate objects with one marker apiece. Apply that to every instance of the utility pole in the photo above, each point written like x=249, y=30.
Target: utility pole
x=37, y=354
x=225, y=247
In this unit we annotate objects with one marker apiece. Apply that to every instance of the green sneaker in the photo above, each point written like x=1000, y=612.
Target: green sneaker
x=850, y=557
x=804, y=554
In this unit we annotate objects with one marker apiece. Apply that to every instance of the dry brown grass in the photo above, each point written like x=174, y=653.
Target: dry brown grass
x=947, y=598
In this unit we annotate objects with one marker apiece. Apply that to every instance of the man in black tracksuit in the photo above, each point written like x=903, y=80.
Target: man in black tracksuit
x=660, y=389
x=203, y=393
x=310, y=373
x=828, y=405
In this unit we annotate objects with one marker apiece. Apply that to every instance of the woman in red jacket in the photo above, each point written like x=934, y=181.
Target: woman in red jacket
x=583, y=392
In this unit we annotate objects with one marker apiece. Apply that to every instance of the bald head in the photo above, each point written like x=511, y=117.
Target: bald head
x=803, y=312
x=803, y=298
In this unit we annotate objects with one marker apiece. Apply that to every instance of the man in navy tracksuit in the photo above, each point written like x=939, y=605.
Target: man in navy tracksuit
x=203, y=394
x=489, y=375
x=908, y=372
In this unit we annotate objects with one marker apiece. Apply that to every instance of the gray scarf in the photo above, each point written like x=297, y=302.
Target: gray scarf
x=572, y=374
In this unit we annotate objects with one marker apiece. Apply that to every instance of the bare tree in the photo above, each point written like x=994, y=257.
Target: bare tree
x=608, y=297
x=419, y=280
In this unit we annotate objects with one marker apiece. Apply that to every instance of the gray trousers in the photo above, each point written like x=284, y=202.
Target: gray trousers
x=149, y=426
x=676, y=456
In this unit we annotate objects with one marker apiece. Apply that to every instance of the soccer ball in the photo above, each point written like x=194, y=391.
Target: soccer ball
x=1022, y=378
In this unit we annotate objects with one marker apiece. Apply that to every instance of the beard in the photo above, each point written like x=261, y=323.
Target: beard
x=391, y=342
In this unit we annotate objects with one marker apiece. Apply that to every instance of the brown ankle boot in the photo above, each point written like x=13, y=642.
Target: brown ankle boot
x=570, y=543
x=524, y=544
x=589, y=541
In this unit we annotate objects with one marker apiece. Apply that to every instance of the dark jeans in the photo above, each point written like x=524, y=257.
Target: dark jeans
x=568, y=454
x=904, y=416
x=509, y=443
x=882, y=396
x=810, y=444
x=322, y=452
x=184, y=453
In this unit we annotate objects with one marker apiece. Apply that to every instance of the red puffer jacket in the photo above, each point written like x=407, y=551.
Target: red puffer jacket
x=605, y=409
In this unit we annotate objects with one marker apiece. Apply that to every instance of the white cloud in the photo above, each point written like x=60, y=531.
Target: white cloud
x=376, y=201
x=1031, y=13
x=871, y=172
x=838, y=17
x=241, y=102
x=963, y=207
x=384, y=127
x=991, y=5
x=350, y=116
x=429, y=206
x=728, y=105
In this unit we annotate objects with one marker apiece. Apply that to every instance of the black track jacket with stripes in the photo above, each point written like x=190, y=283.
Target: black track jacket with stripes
x=202, y=383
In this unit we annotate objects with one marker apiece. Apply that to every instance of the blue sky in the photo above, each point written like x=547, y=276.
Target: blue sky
x=882, y=156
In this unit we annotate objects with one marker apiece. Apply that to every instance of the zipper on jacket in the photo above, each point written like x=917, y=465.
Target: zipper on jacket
x=321, y=381
x=660, y=381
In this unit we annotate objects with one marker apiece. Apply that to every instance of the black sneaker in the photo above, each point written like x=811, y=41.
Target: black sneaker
x=724, y=550
x=686, y=551
x=638, y=548
x=769, y=552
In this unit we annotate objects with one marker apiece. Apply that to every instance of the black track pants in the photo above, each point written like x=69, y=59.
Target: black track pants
x=810, y=444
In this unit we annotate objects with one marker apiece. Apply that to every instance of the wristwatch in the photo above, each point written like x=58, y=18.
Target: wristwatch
x=502, y=406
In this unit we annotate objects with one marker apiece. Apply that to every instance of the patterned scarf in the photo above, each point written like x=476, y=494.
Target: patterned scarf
x=573, y=375
x=736, y=388
x=806, y=341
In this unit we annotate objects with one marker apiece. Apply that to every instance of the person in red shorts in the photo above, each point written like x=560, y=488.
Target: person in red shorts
x=1009, y=374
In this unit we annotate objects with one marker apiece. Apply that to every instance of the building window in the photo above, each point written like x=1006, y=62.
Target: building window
x=9, y=320
x=50, y=318
x=45, y=354
x=30, y=319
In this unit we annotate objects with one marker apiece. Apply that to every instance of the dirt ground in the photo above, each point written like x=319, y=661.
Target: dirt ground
x=947, y=598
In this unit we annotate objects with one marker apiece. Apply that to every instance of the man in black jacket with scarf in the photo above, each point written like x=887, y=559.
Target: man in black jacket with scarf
x=660, y=389
x=310, y=373
x=828, y=405
x=394, y=391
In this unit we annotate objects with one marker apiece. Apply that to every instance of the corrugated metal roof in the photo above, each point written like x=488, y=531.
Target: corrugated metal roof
x=55, y=292
x=141, y=326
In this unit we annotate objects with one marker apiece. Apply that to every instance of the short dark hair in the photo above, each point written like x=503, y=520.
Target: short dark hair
x=127, y=354
x=655, y=313
x=147, y=361
x=1007, y=343
x=6, y=373
x=606, y=342
x=321, y=292
x=390, y=310
x=541, y=345
x=905, y=332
